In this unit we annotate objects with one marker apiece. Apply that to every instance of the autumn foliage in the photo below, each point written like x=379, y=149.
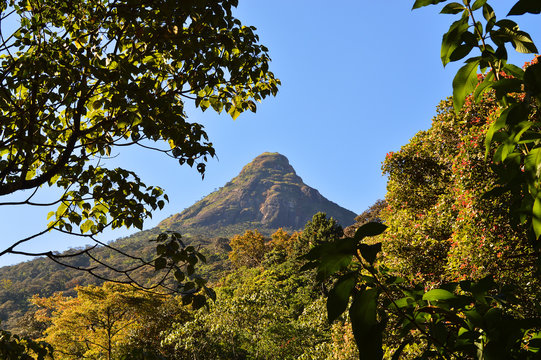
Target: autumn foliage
x=248, y=249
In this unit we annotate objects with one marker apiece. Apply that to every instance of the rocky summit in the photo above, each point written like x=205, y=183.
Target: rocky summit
x=267, y=194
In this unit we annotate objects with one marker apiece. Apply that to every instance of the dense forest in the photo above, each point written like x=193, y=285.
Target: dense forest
x=264, y=308
x=268, y=307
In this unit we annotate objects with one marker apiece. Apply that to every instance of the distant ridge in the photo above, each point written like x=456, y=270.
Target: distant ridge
x=267, y=194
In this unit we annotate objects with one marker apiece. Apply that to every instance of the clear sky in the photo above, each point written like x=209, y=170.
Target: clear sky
x=359, y=79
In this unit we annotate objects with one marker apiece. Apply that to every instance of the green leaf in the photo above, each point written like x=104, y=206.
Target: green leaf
x=488, y=12
x=198, y=301
x=526, y=6
x=370, y=252
x=506, y=86
x=333, y=263
x=483, y=86
x=474, y=317
x=536, y=216
x=160, y=263
x=97, y=104
x=86, y=226
x=514, y=71
x=461, y=52
x=421, y=3
x=508, y=24
x=452, y=39
x=438, y=295
x=369, y=229
x=210, y=293
x=403, y=302
x=481, y=288
x=452, y=8
x=179, y=275
x=532, y=81
x=332, y=256
x=464, y=83
x=234, y=113
x=342, y=246
x=338, y=298
x=510, y=32
x=523, y=43
x=478, y=4
x=366, y=329
x=61, y=210
x=497, y=125
x=532, y=163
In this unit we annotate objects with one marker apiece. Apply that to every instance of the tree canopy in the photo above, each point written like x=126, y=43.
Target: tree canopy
x=463, y=210
x=80, y=80
x=107, y=322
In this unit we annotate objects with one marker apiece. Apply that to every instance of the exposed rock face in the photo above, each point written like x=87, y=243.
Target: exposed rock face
x=267, y=193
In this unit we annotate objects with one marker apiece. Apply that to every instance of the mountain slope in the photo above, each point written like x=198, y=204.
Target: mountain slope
x=267, y=194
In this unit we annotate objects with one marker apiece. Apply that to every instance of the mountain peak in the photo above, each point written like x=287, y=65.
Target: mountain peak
x=267, y=194
x=271, y=160
x=268, y=167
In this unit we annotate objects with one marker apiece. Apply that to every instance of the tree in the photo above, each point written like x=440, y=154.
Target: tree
x=317, y=230
x=267, y=311
x=248, y=249
x=471, y=318
x=14, y=347
x=442, y=227
x=513, y=137
x=458, y=320
x=107, y=322
x=145, y=340
x=280, y=240
x=81, y=80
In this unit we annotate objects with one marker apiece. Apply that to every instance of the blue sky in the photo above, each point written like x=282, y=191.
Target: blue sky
x=359, y=79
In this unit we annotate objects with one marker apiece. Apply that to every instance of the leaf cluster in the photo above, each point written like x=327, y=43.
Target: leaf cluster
x=457, y=320
x=80, y=81
x=515, y=131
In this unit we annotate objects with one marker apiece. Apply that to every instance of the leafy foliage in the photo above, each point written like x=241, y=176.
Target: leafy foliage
x=81, y=80
x=259, y=314
x=318, y=230
x=458, y=320
x=17, y=348
x=106, y=322
x=248, y=249
x=266, y=311
x=41, y=276
x=471, y=318
x=515, y=130
x=442, y=226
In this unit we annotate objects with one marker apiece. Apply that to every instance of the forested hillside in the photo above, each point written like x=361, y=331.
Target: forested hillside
x=448, y=247
x=44, y=277
x=260, y=295
x=264, y=195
